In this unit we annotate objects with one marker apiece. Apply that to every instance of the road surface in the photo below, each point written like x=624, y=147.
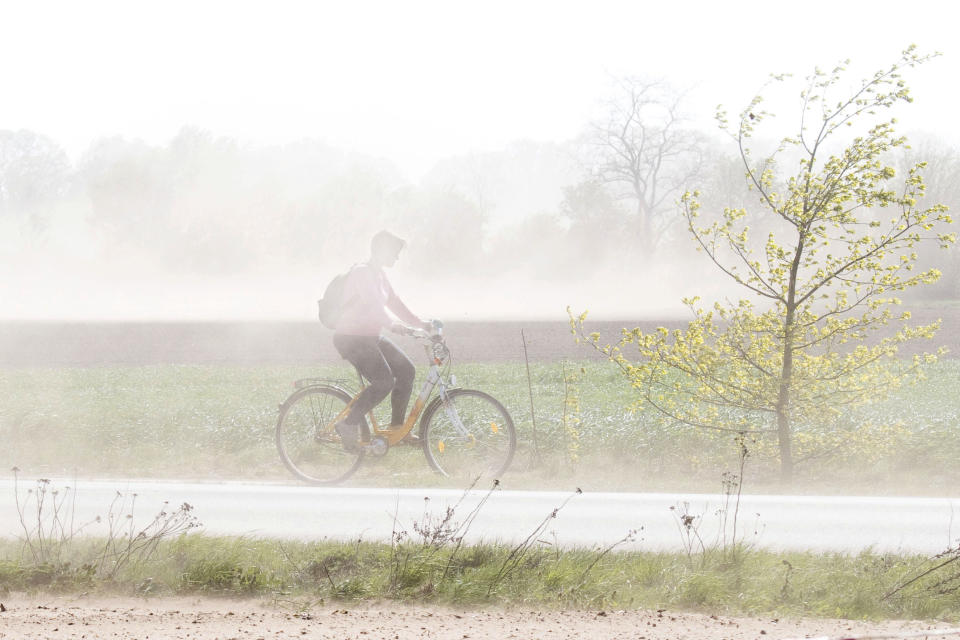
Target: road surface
x=849, y=524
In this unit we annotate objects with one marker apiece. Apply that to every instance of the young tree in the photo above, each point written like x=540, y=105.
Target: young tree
x=794, y=353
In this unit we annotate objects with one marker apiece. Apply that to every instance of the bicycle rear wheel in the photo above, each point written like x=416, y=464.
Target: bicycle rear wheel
x=468, y=435
x=306, y=440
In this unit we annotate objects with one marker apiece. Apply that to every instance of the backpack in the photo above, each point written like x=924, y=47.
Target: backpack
x=330, y=306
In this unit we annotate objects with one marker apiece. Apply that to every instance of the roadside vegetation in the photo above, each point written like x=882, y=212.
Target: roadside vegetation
x=756, y=583
x=427, y=561
x=218, y=422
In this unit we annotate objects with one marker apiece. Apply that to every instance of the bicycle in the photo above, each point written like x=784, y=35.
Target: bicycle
x=464, y=433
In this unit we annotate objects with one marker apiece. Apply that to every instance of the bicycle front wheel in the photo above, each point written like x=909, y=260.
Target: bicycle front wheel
x=468, y=435
x=306, y=440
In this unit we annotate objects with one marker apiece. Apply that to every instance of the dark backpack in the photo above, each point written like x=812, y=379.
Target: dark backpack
x=330, y=306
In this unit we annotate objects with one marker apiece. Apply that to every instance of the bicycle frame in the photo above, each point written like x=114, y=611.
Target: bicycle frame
x=433, y=381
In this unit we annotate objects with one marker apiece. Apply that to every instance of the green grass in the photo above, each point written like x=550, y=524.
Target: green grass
x=751, y=583
x=218, y=422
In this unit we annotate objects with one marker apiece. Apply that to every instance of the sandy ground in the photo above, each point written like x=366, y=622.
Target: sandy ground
x=211, y=618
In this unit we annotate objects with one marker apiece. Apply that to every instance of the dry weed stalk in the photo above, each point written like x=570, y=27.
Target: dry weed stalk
x=518, y=553
x=50, y=530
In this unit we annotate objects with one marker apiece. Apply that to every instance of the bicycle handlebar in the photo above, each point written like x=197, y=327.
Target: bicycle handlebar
x=436, y=346
x=436, y=334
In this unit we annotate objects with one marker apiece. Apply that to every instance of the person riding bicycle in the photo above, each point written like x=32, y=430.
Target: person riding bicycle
x=359, y=339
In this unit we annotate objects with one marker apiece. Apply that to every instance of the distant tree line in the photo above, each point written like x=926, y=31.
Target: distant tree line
x=202, y=204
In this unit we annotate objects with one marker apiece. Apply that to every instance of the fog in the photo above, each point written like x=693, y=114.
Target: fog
x=206, y=228
x=213, y=228
x=196, y=172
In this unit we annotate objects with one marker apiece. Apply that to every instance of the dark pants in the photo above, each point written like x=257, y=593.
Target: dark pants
x=386, y=367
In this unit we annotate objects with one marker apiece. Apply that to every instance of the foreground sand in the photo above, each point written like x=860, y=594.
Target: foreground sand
x=213, y=618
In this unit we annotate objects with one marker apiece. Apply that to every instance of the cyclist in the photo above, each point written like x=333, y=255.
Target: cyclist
x=358, y=338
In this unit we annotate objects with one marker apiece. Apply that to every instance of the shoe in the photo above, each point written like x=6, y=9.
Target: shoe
x=410, y=438
x=348, y=434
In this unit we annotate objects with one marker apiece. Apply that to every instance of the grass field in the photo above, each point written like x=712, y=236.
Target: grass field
x=209, y=421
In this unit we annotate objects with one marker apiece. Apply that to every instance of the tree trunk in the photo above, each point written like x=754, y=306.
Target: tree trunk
x=784, y=436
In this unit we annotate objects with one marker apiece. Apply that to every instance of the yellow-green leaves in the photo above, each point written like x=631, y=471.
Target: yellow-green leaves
x=839, y=240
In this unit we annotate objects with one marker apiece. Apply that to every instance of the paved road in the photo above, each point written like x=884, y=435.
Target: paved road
x=777, y=522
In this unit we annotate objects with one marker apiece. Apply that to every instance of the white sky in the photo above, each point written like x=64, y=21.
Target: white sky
x=410, y=81
x=418, y=81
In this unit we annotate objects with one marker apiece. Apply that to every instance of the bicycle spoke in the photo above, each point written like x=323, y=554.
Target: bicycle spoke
x=307, y=443
x=468, y=435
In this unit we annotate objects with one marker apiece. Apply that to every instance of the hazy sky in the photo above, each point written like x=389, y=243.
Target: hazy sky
x=408, y=81
x=416, y=81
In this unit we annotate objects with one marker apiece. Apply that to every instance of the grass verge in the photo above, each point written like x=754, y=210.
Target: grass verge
x=430, y=562
x=749, y=582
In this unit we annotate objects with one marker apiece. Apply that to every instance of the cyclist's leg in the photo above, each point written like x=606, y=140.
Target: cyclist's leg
x=364, y=353
x=404, y=372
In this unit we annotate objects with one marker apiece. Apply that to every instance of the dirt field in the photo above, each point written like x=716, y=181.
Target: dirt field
x=97, y=344
x=210, y=618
